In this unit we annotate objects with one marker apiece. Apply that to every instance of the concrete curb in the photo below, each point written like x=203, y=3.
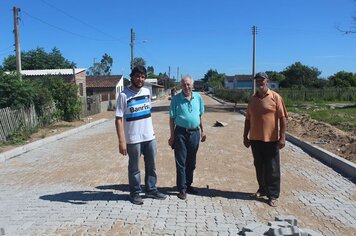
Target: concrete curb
x=342, y=165
x=28, y=147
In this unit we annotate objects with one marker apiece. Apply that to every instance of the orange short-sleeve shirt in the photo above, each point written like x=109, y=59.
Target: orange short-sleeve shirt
x=263, y=114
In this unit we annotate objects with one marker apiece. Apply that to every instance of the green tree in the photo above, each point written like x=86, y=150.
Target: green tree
x=299, y=75
x=139, y=61
x=150, y=70
x=65, y=96
x=217, y=81
x=321, y=83
x=211, y=73
x=102, y=68
x=343, y=79
x=38, y=59
x=275, y=76
x=214, y=79
x=15, y=93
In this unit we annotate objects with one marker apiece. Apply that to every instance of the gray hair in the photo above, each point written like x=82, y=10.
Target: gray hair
x=187, y=77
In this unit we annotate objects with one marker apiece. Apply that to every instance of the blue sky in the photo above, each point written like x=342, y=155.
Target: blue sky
x=194, y=35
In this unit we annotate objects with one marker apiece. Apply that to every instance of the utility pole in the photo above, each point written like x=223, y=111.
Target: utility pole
x=177, y=73
x=254, y=32
x=169, y=76
x=17, y=40
x=132, y=48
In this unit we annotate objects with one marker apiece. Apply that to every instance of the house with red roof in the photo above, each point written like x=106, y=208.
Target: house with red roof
x=107, y=86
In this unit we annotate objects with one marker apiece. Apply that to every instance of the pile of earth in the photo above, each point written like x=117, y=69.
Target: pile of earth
x=323, y=135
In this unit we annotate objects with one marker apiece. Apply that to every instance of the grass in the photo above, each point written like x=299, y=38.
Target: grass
x=342, y=118
x=19, y=137
x=57, y=126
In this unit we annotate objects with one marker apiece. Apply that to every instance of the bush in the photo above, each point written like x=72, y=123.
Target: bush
x=65, y=96
x=41, y=92
x=15, y=93
x=233, y=95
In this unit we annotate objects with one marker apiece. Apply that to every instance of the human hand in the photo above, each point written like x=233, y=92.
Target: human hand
x=122, y=148
x=171, y=142
x=203, y=137
x=281, y=143
x=247, y=142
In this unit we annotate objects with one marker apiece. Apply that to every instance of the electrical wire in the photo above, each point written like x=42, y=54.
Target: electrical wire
x=64, y=30
x=6, y=53
x=6, y=48
x=79, y=20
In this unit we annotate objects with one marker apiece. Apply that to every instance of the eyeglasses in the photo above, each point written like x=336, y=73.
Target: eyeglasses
x=190, y=108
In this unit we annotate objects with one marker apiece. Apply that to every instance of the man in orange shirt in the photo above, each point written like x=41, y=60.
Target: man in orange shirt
x=265, y=127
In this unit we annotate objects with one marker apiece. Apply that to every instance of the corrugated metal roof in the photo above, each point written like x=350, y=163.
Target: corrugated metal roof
x=104, y=81
x=52, y=72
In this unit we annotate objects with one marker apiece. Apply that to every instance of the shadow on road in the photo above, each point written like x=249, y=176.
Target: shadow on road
x=204, y=192
x=82, y=197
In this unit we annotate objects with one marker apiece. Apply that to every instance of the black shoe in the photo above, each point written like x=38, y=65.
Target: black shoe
x=192, y=190
x=182, y=195
x=258, y=194
x=136, y=199
x=273, y=202
x=155, y=194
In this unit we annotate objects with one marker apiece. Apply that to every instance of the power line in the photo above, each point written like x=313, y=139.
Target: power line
x=64, y=30
x=79, y=20
x=6, y=48
x=6, y=53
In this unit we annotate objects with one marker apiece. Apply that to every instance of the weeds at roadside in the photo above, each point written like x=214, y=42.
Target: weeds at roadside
x=342, y=118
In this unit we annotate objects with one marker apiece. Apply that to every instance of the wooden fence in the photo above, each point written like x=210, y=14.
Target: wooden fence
x=14, y=120
x=90, y=105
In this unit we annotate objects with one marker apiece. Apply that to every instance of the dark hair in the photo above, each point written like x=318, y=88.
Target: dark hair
x=138, y=70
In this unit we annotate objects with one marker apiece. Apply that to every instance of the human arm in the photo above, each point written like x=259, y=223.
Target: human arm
x=202, y=134
x=246, y=140
x=120, y=134
x=282, y=132
x=171, y=128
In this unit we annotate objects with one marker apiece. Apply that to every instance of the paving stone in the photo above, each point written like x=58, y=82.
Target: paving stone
x=309, y=232
x=278, y=224
x=48, y=192
x=290, y=231
x=289, y=218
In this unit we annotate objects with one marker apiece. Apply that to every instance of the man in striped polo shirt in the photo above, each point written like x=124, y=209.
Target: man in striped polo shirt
x=136, y=136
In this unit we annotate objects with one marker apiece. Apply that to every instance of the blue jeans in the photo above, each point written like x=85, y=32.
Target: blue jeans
x=149, y=150
x=186, y=144
x=267, y=164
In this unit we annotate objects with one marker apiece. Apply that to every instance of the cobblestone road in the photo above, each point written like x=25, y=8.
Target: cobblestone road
x=78, y=186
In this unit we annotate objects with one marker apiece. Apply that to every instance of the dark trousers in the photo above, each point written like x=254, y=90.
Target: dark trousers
x=186, y=144
x=267, y=165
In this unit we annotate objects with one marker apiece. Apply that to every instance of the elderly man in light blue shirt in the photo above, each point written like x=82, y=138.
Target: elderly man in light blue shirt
x=186, y=128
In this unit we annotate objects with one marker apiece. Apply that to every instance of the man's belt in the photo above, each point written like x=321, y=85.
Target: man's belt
x=188, y=130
